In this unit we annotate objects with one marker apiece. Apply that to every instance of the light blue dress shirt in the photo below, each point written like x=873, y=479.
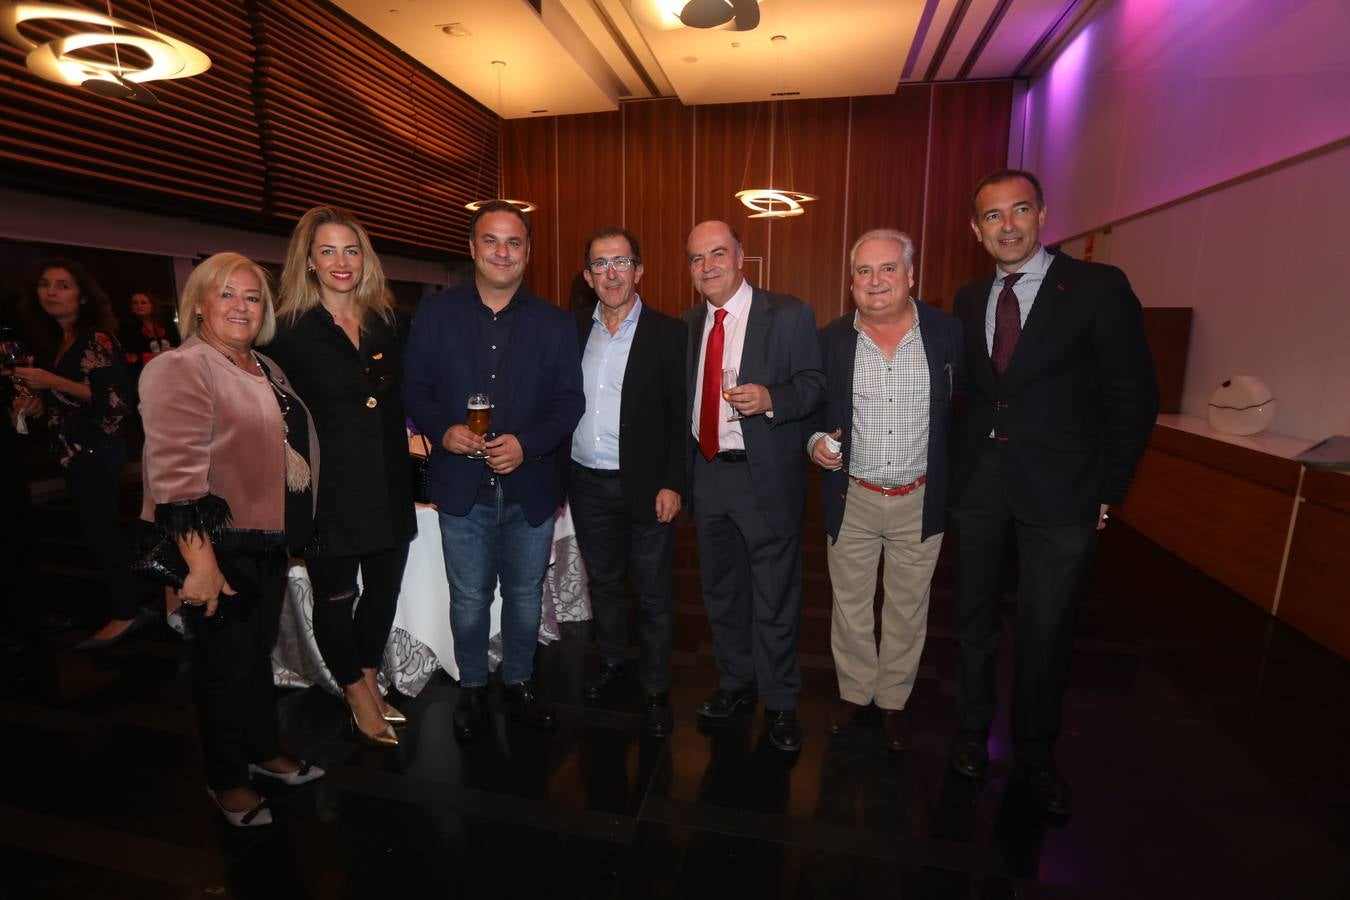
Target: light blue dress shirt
x=595, y=444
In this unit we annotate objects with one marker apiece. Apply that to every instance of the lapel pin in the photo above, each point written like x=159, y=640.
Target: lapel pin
x=381, y=355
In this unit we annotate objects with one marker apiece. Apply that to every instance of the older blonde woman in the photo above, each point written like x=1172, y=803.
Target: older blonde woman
x=337, y=335
x=230, y=469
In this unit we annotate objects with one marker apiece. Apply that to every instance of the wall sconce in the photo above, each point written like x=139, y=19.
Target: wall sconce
x=59, y=59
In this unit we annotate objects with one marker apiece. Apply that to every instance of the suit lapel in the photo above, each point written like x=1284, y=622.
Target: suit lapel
x=983, y=370
x=1045, y=316
x=755, y=351
x=697, y=317
x=846, y=352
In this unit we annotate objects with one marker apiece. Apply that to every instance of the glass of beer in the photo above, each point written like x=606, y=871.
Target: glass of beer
x=479, y=419
x=730, y=379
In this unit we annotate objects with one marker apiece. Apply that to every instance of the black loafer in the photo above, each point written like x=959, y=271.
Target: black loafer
x=785, y=732
x=970, y=754
x=660, y=720
x=600, y=679
x=1048, y=789
x=470, y=713
x=723, y=703
x=529, y=706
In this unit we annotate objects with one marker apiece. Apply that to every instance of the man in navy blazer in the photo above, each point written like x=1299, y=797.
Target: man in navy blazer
x=496, y=513
x=1061, y=402
x=890, y=369
x=748, y=476
x=628, y=468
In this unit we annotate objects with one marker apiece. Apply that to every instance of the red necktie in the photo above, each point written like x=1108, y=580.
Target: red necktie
x=711, y=404
x=1007, y=325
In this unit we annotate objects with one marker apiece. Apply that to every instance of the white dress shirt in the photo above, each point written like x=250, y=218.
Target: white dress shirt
x=729, y=436
x=595, y=444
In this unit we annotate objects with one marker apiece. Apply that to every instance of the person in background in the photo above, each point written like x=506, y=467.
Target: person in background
x=230, y=472
x=339, y=340
x=148, y=332
x=82, y=384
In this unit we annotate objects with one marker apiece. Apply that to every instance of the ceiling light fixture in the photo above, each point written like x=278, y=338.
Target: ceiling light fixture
x=667, y=15
x=61, y=60
x=524, y=206
x=769, y=202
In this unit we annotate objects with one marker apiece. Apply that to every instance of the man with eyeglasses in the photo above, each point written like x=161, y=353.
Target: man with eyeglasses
x=628, y=468
x=755, y=377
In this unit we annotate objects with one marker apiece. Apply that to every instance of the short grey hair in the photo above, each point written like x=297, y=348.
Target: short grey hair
x=884, y=234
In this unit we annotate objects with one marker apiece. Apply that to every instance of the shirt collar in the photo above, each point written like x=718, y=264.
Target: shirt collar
x=628, y=320
x=1038, y=265
x=739, y=304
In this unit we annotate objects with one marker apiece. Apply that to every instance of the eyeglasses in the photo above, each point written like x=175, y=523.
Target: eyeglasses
x=620, y=264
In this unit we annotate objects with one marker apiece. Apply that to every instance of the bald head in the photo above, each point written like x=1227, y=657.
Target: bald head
x=715, y=260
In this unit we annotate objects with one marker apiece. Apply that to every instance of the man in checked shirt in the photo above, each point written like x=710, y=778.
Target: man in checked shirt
x=881, y=439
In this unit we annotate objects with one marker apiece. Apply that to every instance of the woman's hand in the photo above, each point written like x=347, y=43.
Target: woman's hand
x=204, y=582
x=36, y=379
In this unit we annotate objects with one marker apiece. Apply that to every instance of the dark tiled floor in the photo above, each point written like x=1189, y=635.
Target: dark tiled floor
x=1205, y=743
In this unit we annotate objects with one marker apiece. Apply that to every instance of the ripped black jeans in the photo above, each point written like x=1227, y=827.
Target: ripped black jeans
x=354, y=640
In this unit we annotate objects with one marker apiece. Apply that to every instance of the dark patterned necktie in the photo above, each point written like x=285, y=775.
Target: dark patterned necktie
x=1007, y=325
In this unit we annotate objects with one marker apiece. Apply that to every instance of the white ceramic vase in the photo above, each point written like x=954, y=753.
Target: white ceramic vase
x=1242, y=405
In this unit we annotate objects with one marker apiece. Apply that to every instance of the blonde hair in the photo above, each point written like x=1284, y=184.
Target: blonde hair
x=300, y=285
x=210, y=277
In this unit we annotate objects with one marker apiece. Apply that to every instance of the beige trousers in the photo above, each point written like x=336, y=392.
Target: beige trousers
x=873, y=522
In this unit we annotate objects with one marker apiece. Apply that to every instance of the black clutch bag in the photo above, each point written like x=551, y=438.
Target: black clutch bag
x=420, y=471
x=163, y=563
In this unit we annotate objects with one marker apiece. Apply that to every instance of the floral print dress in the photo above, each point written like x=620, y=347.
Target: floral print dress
x=94, y=359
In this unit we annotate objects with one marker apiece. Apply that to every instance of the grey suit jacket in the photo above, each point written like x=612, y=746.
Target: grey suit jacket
x=782, y=353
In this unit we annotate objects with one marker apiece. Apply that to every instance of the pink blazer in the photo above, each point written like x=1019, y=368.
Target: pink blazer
x=212, y=428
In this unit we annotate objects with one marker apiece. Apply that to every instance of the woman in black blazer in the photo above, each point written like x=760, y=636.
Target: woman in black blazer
x=340, y=344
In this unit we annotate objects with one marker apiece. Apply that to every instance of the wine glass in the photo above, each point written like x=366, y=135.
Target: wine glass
x=730, y=379
x=14, y=353
x=479, y=419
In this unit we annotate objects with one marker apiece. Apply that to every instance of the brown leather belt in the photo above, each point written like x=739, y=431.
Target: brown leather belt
x=895, y=491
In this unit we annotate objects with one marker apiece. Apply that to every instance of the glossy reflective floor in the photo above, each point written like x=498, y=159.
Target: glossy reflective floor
x=1206, y=745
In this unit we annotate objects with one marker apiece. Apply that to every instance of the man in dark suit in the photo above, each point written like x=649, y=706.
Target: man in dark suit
x=1061, y=402
x=890, y=366
x=496, y=513
x=628, y=467
x=748, y=475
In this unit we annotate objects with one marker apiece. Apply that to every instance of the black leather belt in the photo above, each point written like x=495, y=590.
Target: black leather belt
x=598, y=473
x=732, y=456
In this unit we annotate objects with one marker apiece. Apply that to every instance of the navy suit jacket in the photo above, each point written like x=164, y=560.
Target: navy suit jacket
x=941, y=336
x=537, y=397
x=782, y=353
x=651, y=411
x=1076, y=407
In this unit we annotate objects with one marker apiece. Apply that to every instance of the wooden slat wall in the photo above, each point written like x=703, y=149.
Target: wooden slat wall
x=301, y=106
x=869, y=159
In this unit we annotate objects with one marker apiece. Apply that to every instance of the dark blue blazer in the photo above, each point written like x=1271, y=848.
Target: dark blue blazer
x=538, y=396
x=942, y=344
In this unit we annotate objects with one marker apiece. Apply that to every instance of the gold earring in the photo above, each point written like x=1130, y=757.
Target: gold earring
x=310, y=268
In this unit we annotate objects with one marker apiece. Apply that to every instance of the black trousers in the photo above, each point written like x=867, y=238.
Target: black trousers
x=21, y=606
x=752, y=585
x=93, y=478
x=351, y=640
x=613, y=545
x=1053, y=562
x=235, y=700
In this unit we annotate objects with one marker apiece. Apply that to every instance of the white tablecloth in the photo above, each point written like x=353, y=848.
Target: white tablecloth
x=420, y=642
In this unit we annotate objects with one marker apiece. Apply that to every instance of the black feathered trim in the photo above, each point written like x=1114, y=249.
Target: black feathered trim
x=205, y=516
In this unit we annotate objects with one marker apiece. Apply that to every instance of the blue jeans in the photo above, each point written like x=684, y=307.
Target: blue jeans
x=494, y=541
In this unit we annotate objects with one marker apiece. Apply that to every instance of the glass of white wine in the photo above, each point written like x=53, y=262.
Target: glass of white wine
x=730, y=379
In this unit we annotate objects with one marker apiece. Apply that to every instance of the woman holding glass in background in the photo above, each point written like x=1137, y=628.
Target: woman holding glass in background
x=82, y=384
x=340, y=341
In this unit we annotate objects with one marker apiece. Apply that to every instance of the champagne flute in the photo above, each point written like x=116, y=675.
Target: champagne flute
x=730, y=379
x=479, y=419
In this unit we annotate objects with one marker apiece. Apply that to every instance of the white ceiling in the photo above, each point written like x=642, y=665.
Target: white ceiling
x=578, y=56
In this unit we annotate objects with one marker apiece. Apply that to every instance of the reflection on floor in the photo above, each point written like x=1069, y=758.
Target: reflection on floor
x=1205, y=745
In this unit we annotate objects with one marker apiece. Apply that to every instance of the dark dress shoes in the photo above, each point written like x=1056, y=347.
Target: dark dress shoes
x=723, y=703
x=525, y=698
x=895, y=729
x=1048, y=789
x=601, y=678
x=785, y=732
x=660, y=720
x=970, y=753
x=470, y=713
x=843, y=717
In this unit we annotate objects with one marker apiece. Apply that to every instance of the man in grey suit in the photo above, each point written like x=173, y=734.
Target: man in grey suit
x=748, y=476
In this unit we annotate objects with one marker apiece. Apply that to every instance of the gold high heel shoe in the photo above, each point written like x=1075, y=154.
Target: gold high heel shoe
x=393, y=716
x=385, y=738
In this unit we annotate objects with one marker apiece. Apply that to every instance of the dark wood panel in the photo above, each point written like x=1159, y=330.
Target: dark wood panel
x=1327, y=488
x=731, y=153
x=1313, y=599
x=530, y=172
x=1231, y=528
x=1243, y=462
x=658, y=181
x=1168, y=330
x=590, y=151
x=968, y=140
x=887, y=164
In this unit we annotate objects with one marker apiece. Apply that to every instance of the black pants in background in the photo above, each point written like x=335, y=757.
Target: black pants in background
x=235, y=700
x=351, y=641
x=93, y=478
x=612, y=545
x=1053, y=562
x=20, y=607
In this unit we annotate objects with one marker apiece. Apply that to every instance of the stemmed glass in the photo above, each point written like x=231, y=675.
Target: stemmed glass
x=730, y=379
x=479, y=419
x=14, y=353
